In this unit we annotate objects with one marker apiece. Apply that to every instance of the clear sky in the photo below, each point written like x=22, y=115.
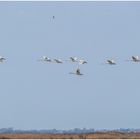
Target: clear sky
x=39, y=95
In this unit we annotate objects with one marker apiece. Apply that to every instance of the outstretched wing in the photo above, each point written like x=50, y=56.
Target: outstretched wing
x=58, y=61
x=109, y=61
x=2, y=59
x=72, y=58
x=134, y=58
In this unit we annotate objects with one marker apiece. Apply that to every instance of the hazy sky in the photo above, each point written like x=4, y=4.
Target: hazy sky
x=39, y=95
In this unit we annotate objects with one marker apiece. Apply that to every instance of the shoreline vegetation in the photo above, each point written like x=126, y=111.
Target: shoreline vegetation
x=95, y=135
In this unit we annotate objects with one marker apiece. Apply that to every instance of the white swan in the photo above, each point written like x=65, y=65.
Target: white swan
x=73, y=59
x=82, y=61
x=77, y=72
x=135, y=58
x=58, y=60
x=111, y=62
x=45, y=58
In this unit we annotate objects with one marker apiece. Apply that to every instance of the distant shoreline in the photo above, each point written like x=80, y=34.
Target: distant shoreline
x=96, y=135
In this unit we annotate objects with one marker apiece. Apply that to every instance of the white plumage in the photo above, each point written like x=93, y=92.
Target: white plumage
x=77, y=72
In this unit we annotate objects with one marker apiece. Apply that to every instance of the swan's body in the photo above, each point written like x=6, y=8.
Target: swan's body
x=45, y=58
x=77, y=72
x=58, y=61
x=111, y=62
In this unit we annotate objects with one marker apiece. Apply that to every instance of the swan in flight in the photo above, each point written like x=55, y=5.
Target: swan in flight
x=58, y=61
x=135, y=58
x=2, y=59
x=77, y=72
x=82, y=62
x=111, y=62
x=45, y=58
x=73, y=59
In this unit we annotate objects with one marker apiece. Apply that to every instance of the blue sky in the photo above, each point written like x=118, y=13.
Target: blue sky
x=38, y=95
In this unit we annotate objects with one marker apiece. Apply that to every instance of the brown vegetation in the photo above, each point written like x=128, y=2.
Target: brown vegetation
x=97, y=135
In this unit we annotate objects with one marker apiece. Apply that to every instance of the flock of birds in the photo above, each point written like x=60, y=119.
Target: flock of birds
x=72, y=59
x=82, y=61
x=78, y=61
